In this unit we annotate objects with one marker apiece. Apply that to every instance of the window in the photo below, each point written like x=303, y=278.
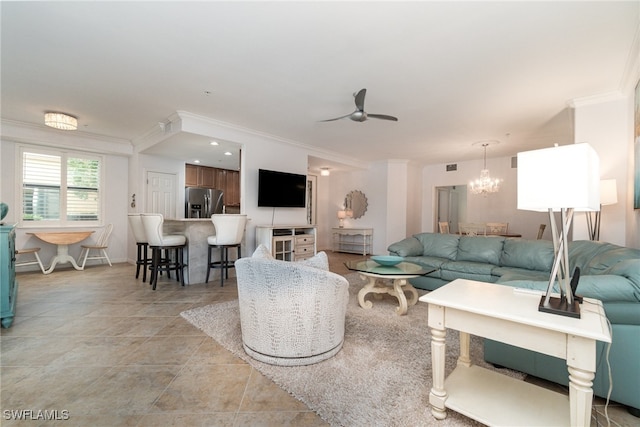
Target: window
x=60, y=188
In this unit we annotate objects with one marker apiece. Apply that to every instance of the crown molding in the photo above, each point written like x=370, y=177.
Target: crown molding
x=213, y=128
x=596, y=99
x=35, y=134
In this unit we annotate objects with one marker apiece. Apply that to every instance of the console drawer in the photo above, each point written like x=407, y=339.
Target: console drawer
x=305, y=239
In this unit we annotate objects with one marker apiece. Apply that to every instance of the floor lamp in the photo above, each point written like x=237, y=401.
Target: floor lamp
x=561, y=179
x=608, y=196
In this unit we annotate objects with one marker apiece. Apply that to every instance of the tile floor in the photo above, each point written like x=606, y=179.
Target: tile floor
x=104, y=349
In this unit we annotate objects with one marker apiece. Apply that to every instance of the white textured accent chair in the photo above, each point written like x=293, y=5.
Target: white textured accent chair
x=291, y=313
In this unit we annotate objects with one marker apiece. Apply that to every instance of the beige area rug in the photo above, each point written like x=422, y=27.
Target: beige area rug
x=382, y=375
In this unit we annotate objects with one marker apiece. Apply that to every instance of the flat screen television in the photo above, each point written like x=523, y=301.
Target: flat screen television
x=281, y=189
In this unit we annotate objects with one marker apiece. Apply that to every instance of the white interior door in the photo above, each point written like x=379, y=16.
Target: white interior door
x=450, y=206
x=443, y=211
x=161, y=194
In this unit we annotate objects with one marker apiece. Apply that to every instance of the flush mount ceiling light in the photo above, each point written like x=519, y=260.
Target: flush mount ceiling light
x=60, y=121
x=324, y=172
x=485, y=184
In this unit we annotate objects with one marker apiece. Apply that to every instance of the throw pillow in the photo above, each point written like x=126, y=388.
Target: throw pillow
x=262, y=252
x=319, y=261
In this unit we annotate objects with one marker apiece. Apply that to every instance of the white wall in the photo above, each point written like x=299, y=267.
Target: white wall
x=496, y=207
x=371, y=182
x=117, y=177
x=414, y=199
x=603, y=122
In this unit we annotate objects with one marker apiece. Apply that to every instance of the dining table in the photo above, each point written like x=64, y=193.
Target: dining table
x=62, y=239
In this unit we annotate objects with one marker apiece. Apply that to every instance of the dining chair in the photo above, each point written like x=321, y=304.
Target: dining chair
x=30, y=251
x=495, y=228
x=101, y=247
x=142, y=260
x=158, y=242
x=443, y=226
x=541, y=231
x=229, y=233
x=472, y=229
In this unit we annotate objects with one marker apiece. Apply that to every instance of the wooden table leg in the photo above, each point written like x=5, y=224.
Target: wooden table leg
x=62, y=257
x=366, y=289
x=438, y=395
x=581, y=367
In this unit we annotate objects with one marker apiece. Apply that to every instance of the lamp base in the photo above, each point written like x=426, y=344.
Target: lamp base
x=560, y=306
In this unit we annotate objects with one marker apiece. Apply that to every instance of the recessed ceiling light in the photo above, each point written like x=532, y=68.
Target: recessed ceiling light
x=214, y=143
x=196, y=161
x=228, y=153
x=324, y=172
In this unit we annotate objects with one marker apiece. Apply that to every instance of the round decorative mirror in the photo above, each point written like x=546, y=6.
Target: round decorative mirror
x=356, y=202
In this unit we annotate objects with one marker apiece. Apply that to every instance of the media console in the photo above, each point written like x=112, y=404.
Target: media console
x=288, y=242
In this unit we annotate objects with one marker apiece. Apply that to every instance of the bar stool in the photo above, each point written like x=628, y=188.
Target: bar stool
x=142, y=260
x=229, y=233
x=158, y=242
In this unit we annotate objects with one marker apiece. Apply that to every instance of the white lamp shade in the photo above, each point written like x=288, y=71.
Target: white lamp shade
x=559, y=177
x=342, y=214
x=608, y=192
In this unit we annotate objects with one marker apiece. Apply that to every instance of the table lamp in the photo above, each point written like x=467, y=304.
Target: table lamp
x=559, y=179
x=342, y=214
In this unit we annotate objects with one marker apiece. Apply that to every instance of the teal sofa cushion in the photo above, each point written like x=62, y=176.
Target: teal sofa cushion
x=480, y=249
x=506, y=274
x=528, y=254
x=428, y=263
x=467, y=270
x=607, y=260
x=582, y=252
x=628, y=268
x=439, y=245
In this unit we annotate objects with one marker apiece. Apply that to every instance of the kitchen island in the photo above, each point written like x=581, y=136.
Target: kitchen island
x=196, y=230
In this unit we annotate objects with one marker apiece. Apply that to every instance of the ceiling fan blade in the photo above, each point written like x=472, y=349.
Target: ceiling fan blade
x=382, y=116
x=360, y=99
x=337, y=118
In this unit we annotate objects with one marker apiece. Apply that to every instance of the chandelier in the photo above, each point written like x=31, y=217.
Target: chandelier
x=485, y=184
x=60, y=121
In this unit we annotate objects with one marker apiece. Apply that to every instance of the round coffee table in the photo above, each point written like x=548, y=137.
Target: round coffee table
x=388, y=280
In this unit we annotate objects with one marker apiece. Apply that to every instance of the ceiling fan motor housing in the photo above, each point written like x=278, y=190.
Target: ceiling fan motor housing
x=358, y=116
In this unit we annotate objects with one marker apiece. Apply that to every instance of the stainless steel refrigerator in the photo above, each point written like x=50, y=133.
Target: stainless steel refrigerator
x=203, y=202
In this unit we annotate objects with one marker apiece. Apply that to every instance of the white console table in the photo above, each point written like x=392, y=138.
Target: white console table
x=288, y=242
x=504, y=314
x=353, y=240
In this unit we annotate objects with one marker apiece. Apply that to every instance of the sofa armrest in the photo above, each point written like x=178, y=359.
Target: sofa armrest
x=406, y=247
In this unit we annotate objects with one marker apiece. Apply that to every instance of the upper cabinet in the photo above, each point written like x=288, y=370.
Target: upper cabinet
x=222, y=179
x=200, y=176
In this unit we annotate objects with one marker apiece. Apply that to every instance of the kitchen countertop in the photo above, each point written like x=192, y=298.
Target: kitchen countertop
x=188, y=219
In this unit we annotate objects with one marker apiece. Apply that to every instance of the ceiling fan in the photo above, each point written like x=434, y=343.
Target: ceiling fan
x=359, y=115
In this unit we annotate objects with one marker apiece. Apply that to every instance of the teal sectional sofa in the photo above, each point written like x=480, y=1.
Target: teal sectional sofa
x=609, y=273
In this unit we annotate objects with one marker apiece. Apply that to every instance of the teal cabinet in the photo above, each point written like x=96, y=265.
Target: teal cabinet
x=8, y=282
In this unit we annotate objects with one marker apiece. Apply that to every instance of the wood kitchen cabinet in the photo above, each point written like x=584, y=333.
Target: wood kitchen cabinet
x=232, y=188
x=199, y=176
x=223, y=179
